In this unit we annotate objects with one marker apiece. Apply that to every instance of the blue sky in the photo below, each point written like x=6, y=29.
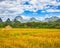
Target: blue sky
x=29, y=8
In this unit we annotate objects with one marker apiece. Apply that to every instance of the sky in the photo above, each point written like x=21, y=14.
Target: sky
x=39, y=9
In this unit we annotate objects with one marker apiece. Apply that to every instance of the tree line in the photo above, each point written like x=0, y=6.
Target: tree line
x=18, y=24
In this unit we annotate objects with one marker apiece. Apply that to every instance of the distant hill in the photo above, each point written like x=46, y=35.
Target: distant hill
x=53, y=18
x=20, y=18
x=33, y=20
x=57, y=20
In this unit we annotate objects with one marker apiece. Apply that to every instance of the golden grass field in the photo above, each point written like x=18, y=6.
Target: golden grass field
x=29, y=38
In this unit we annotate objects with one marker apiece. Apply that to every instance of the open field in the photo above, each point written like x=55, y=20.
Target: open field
x=29, y=38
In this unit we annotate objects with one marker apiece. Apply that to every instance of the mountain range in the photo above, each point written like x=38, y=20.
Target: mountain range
x=51, y=19
x=33, y=19
x=21, y=19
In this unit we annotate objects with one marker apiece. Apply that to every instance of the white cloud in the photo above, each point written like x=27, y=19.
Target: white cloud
x=26, y=17
x=18, y=7
x=59, y=16
x=53, y=10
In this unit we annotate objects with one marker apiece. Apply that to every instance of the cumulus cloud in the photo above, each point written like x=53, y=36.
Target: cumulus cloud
x=10, y=7
x=53, y=10
x=26, y=17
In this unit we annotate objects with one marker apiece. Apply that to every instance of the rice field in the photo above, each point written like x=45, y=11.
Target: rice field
x=29, y=38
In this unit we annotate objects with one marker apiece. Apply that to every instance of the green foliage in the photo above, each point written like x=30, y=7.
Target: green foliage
x=15, y=23
x=18, y=24
x=8, y=22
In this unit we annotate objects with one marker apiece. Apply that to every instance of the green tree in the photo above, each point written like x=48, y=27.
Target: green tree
x=1, y=23
x=16, y=23
x=8, y=22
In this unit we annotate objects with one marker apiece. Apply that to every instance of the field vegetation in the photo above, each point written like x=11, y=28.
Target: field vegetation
x=29, y=38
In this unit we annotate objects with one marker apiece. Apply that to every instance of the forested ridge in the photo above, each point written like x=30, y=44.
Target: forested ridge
x=17, y=24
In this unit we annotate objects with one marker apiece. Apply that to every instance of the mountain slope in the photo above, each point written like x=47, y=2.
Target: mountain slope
x=53, y=18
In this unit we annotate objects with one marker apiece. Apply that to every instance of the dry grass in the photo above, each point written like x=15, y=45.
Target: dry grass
x=29, y=38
